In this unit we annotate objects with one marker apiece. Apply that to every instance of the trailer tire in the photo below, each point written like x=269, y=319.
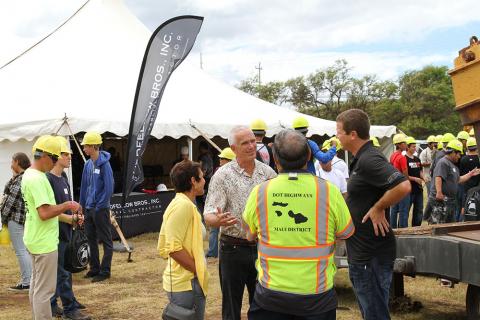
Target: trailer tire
x=473, y=302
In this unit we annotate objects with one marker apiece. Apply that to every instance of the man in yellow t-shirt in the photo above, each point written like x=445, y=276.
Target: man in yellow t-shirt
x=41, y=225
x=297, y=218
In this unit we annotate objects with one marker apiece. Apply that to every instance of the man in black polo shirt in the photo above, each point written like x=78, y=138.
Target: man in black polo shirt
x=374, y=186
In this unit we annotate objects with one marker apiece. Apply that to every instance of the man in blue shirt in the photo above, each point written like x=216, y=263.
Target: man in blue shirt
x=301, y=124
x=95, y=193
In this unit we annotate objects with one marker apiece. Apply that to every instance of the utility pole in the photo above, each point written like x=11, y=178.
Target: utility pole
x=201, y=61
x=259, y=68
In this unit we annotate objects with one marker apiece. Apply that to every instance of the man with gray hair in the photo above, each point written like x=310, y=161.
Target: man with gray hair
x=227, y=194
x=297, y=218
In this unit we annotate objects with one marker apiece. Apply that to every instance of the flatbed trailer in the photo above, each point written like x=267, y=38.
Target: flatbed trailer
x=448, y=251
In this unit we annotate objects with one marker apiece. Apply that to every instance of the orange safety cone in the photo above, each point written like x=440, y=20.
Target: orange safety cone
x=4, y=236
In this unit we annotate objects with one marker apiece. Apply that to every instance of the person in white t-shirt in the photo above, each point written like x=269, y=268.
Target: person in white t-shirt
x=335, y=176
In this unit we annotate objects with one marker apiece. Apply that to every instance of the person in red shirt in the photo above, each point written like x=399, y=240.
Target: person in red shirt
x=399, y=161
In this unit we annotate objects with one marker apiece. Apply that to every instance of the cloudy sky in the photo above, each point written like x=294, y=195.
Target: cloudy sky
x=289, y=38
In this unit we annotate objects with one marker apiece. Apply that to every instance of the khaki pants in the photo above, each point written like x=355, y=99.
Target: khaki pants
x=43, y=284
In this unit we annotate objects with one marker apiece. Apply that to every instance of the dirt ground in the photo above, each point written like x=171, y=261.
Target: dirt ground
x=135, y=291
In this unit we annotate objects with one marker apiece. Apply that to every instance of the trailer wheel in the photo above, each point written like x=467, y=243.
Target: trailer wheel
x=473, y=302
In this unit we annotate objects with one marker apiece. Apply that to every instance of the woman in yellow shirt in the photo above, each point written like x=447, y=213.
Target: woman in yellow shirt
x=185, y=277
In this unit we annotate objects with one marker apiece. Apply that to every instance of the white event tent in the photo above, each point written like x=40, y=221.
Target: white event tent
x=87, y=70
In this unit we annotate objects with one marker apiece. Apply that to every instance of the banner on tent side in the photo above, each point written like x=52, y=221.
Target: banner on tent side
x=142, y=213
x=166, y=49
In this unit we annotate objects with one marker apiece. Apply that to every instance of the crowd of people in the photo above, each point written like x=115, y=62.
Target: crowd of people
x=275, y=212
x=448, y=167
x=279, y=222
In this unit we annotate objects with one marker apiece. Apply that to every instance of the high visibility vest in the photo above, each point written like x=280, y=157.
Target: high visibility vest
x=298, y=217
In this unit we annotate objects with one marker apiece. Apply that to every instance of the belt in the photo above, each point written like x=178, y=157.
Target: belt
x=237, y=241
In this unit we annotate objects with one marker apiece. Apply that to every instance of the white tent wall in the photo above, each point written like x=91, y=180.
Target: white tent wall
x=8, y=149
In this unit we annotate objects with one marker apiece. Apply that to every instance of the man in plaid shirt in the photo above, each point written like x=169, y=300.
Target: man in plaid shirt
x=13, y=215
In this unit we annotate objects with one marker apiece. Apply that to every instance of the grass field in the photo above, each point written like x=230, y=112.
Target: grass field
x=135, y=290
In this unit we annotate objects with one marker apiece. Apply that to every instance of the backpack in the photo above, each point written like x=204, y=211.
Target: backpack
x=472, y=204
x=77, y=253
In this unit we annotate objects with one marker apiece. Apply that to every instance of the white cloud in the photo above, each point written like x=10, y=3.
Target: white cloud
x=290, y=38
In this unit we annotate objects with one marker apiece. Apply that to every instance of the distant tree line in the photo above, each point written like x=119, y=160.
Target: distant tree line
x=419, y=102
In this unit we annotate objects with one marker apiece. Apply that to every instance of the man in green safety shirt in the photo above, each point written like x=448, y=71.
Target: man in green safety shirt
x=297, y=218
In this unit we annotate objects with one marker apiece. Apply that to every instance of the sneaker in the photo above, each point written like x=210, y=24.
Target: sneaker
x=80, y=306
x=20, y=288
x=57, y=312
x=90, y=274
x=76, y=315
x=446, y=283
x=100, y=277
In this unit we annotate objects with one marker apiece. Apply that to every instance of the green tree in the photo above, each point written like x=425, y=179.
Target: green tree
x=426, y=97
x=273, y=91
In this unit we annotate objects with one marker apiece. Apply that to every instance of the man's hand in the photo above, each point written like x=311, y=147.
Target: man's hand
x=474, y=172
x=439, y=196
x=79, y=218
x=419, y=181
x=378, y=220
x=73, y=206
x=225, y=219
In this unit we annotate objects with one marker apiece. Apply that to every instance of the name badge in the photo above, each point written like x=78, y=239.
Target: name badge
x=65, y=190
x=96, y=171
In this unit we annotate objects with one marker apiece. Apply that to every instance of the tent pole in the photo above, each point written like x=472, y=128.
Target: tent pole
x=205, y=137
x=190, y=148
x=76, y=142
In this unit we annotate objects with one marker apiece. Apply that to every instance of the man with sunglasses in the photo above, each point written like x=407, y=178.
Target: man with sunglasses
x=41, y=225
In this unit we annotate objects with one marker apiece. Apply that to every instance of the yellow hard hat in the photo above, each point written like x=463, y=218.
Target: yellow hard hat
x=48, y=144
x=410, y=140
x=39, y=141
x=471, y=132
x=431, y=139
x=463, y=135
x=438, y=138
x=92, y=138
x=375, y=142
x=399, y=138
x=64, y=146
x=227, y=153
x=300, y=124
x=454, y=145
x=440, y=145
x=258, y=126
x=327, y=144
x=471, y=143
x=447, y=137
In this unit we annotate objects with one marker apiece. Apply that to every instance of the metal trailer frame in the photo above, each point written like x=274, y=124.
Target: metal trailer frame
x=449, y=251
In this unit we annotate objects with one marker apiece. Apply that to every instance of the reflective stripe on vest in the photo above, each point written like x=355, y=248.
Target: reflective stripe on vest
x=320, y=251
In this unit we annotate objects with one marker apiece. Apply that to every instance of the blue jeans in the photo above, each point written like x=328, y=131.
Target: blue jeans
x=460, y=203
x=399, y=213
x=64, y=283
x=371, y=284
x=416, y=199
x=24, y=260
x=194, y=298
x=213, y=243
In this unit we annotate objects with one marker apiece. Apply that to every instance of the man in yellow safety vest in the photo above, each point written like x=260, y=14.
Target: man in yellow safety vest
x=297, y=218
